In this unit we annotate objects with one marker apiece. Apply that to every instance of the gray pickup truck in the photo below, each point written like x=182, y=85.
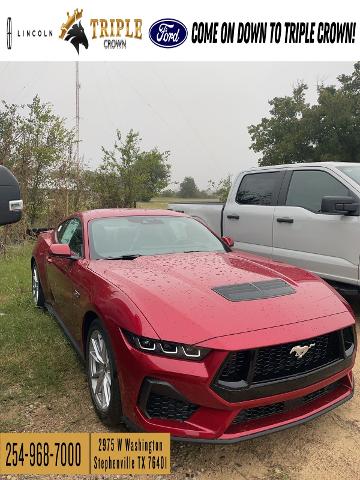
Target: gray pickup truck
x=10, y=200
x=304, y=214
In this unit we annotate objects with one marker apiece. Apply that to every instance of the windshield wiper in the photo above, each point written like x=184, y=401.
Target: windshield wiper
x=130, y=256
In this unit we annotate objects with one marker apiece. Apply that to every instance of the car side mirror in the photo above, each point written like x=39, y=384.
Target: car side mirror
x=340, y=205
x=228, y=241
x=60, y=250
x=10, y=203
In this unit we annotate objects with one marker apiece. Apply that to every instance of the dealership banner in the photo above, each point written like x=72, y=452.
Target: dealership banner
x=140, y=30
x=84, y=453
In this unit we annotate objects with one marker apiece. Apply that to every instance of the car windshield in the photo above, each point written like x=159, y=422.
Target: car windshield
x=351, y=171
x=133, y=236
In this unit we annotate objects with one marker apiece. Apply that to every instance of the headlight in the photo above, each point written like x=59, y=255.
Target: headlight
x=166, y=349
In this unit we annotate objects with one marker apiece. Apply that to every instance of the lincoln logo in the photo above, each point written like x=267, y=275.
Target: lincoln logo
x=9, y=33
x=301, y=351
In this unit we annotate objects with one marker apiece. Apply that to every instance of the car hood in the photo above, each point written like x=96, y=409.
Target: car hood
x=175, y=293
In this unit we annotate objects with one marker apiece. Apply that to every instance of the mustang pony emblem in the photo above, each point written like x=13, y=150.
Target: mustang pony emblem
x=301, y=351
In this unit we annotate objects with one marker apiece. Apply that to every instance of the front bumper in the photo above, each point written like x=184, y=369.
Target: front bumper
x=235, y=438
x=265, y=431
x=215, y=419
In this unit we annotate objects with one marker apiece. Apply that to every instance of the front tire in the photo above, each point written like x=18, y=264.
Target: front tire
x=37, y=291
x=102, y=376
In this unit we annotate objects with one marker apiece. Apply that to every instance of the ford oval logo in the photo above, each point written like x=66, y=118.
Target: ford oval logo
x=168, y=33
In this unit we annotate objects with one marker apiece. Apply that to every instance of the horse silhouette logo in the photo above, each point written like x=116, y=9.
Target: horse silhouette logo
x=73, y=31
x=301, y=351
x=77, y=36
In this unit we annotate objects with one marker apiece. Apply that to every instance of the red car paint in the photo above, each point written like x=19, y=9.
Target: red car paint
x=170, y=297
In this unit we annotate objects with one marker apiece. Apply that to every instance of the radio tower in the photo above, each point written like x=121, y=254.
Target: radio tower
x=77, y=134
x=77, y=115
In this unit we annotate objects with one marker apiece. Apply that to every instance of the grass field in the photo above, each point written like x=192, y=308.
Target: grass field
x=35, y=358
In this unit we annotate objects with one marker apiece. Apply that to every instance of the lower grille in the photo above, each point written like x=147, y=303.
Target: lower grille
x=167, y=408
x=281, y=407
x=259, y=412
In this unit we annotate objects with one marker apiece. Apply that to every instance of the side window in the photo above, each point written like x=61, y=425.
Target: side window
x=308, y=187
x=76, y=242
x=259, y=188
x=70, y=232
x=60, y=231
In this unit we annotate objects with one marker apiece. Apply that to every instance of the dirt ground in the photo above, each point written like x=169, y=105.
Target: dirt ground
x=325, y=448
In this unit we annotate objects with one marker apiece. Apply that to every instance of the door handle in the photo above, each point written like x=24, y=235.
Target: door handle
x=233, y=217
x=285, y=220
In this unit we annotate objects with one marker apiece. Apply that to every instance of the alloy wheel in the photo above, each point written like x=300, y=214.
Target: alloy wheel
x=100, y=370
x=35, y=285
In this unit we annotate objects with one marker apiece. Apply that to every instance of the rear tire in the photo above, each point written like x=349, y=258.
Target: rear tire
x=102, y=376
x=37, y=291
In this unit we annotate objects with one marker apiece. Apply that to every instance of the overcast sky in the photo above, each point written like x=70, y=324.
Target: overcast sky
x=198, y=111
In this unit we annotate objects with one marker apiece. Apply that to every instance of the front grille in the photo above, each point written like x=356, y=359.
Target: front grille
x=276, y=362
x=236, y=366
x=167, y=408
x=281, y=407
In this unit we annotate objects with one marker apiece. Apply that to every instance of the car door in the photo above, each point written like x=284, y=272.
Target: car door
x=248, y=213
x=304, y=236
x=64, y=276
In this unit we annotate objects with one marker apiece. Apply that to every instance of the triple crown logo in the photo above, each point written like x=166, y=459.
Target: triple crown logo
x=73, y=31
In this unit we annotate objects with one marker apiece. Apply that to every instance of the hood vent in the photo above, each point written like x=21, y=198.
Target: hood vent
x=255, y=291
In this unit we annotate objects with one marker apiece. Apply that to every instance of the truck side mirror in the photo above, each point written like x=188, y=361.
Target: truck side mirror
x=340, y=205
x=11, y=204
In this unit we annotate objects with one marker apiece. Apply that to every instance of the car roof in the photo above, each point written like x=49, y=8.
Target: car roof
x=304, y=165
x=126, y=212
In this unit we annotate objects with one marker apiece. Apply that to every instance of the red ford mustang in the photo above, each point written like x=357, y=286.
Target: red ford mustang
x=182, y=335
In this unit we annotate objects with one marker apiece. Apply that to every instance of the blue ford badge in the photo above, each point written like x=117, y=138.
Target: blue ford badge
x=168, y=33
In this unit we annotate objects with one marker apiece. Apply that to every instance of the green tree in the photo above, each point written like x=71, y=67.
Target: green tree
x=188, y=188
x=37, y=146
x=221, y=188
x=153, y=169
x=280, y=138
x=296, y=132
x=9, y=133
x=128, y=174
x=168, y=193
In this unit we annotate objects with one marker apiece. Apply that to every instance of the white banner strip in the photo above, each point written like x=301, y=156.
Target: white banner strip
x=184, y=31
